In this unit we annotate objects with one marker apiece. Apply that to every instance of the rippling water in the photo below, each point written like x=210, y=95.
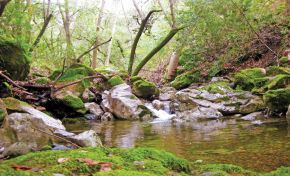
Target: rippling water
x=260, y=148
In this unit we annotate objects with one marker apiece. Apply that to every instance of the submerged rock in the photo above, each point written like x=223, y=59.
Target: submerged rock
x=125, y=105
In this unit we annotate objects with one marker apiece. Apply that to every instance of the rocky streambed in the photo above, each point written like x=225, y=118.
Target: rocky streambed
x=224, y=120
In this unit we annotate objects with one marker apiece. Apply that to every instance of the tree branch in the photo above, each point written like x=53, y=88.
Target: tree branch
x=88, y=51
x=137, y=38
x=170, y=35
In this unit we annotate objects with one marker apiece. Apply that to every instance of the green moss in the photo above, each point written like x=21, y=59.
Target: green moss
x=283, y=60
x=155, y=162
x=145, y=89
x=275, y=70
x=14, y=104
x=279, y=81
x=74, y=72
x=136, y=78
x=248, y=79
x=74, y=102
x=115, y=80
x=43, y=80
x=226, y=169
x=218, y=87
x=185, y=79
x=14, y=60
x=278, y=100
x=283, y=171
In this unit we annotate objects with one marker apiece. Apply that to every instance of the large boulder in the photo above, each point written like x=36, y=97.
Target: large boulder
x=278, y=100
x=185, y=79
x=13, y=60
x=125, y=105
x=145, y=89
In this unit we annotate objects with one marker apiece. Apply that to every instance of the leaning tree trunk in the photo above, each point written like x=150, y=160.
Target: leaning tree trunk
x=170, y=35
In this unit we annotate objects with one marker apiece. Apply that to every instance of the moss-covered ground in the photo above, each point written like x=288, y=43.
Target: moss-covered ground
x=124, y=162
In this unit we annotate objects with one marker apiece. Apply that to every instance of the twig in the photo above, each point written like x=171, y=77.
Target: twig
x=77, y=146
x=10, y=80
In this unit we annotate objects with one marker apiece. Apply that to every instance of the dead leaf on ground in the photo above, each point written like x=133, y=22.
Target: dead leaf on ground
x=21, y=167
x=88, y=162
x=105, y=166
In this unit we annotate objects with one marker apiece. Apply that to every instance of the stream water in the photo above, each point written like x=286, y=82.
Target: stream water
x=257, y=147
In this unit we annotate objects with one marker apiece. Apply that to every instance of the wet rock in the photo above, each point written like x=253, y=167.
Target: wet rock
x=88, y=96
x=199, y=113
x=60, y=147
x=95, y=109
x=107, y=117
x=90, y=116
x=124, y=105
x=105, y=102
x=158, y=104
x=84, y=139
x=253, y=116
x=19, y=148
x=167, y=93
x=87, y=139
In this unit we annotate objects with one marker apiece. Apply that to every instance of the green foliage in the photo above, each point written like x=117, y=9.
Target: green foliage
x=279, y=81
x=155, y=162
x=226, y=170
x=185, y=79
x=275, y=70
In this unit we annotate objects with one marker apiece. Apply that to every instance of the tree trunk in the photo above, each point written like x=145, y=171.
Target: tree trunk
x=3, y=4
x=170, y=35
x=111, y=42
x=99, y=21
x=137, y=38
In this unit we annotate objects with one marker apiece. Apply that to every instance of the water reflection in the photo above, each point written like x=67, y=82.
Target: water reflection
x=261, y=148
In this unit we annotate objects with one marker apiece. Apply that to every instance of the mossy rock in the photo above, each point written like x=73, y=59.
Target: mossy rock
x=220, y=87
x=115, y=80
x=124, y=162
x=12, y=104
x=14, y=60
x=3, y=111
x=284, y=61
x=42, y=80
x=249, y=79
x=145, y=89
x=278, y=100
x=135, y=78
x=279, y=81
x=185, y=79
x=75, y=103
x=275, y=70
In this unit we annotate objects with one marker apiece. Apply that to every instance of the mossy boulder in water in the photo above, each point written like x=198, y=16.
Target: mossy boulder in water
x=3, y=111
x=145, y=89
x=249, y=79
x=221, y=87
x=278, y=100
x=13, y=59
x=185, y=79
x=75, y=103
x=115, y=80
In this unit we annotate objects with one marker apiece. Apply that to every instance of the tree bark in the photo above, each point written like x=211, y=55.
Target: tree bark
x=173, y=64
x=107, y=62
x=99, y=21
x=137, y=38
x=169, y=36
x=3, y=4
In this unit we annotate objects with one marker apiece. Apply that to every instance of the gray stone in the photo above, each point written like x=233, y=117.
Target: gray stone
x=158, y=104
x=107, y=117
x=253, y=116
x=95, y=109
x=19, y=148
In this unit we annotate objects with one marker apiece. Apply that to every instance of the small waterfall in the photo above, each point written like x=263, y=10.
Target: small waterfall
x=161, y=115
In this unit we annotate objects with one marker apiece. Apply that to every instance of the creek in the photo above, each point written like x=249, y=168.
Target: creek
x=228, y=140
